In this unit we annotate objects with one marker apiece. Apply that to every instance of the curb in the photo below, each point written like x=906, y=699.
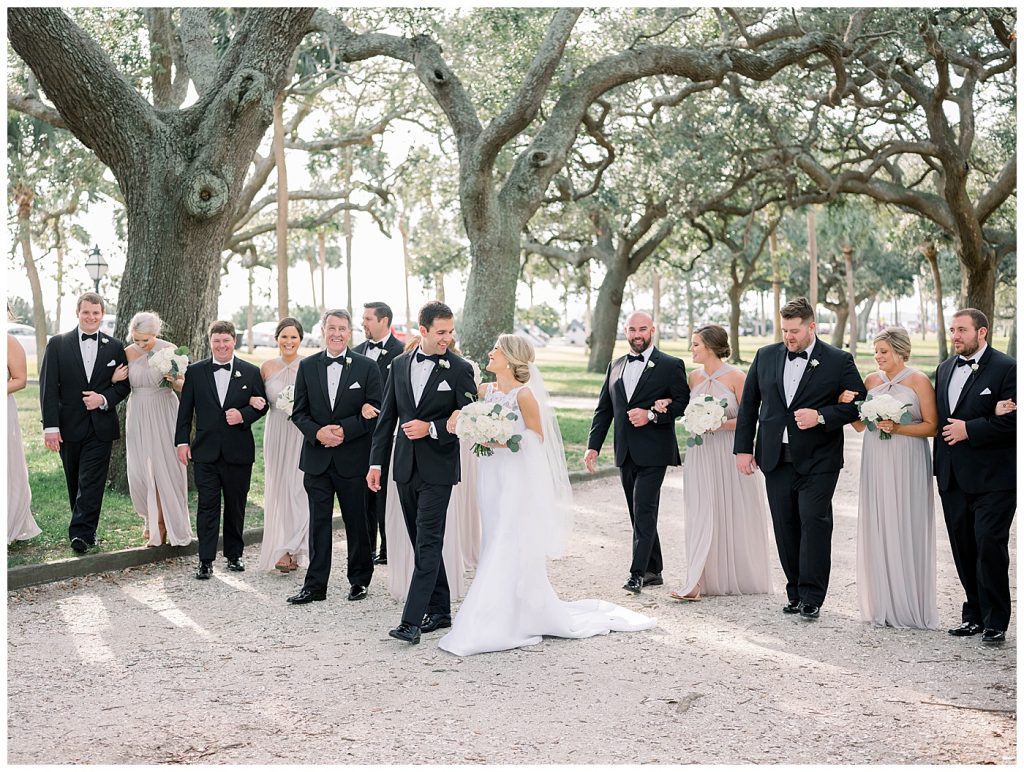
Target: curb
x=20, y=577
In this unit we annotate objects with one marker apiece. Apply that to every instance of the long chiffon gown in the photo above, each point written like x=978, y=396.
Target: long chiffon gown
x=20, y=523
x=727, y=544
x=285, y=504
x=156, y=479
x=511, y=602
x=896, y=523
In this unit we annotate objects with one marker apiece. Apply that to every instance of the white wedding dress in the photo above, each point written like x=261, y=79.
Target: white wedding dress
x=511, y=602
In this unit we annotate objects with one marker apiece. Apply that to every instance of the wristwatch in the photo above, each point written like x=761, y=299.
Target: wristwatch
x=821, y=418
x=650, y=415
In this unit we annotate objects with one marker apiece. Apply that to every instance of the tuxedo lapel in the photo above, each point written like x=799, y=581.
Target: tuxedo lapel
x=213, y=383
x=408, y=380
x=76, y=355
x=435, y=376
x=970, y=380
x=942, y=379
x=234, y=384
x=645, y=373
x=804, y=379
x=321, y=378
x=346, y=379
x=620, y=368
x=780, y=373
x=101, y=359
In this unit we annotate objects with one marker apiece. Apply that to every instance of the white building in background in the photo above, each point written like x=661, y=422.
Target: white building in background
x=576, y=333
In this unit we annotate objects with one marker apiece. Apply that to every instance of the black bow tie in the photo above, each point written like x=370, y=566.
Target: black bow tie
x=87, y=336
x=962, y=361
x=217, y=367
x=634, y=358
x=370, y=344
x=796, y=355
x=421, y=357
x=338, y=360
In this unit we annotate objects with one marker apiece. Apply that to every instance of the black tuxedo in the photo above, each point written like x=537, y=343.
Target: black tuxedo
x=425, y=470
x=339, y=471
x=223, y=454
x=642, y=454
x=376, y=503
x=977, y=482
x=87, y=436
x=800, y=480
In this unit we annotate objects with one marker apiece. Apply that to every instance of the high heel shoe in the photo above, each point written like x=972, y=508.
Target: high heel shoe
x=677, y=596
x=285, y=564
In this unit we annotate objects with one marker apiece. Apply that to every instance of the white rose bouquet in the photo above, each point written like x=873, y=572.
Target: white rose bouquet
x=483, y=422
x=286, y=400
x=702, y=416
x=883, y=407
x=169, y=361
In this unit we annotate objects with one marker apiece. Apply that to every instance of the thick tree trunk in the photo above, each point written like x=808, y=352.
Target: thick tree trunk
x=282, y=209
x=606, y=318
x=1011, y=346
x=851, y=298
x=735, y=293
x=864, y=317
x=932, y=255
x=842, y=312
x=812, y=251
x=979, y=287
x=656, y=305
x=23, y=197
x=439, y=286
x=491, y=289
x=773, y=248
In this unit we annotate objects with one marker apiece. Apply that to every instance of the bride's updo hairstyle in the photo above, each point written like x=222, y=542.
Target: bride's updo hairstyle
x=145, y=323
x=519, y=353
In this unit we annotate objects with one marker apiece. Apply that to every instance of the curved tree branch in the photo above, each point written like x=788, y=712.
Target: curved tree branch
x=199, y=54
x=39, y=110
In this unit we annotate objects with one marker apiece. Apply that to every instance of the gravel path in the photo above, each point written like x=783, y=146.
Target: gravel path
x=151, y=666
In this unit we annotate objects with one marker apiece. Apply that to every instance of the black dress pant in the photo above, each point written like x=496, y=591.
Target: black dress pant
x=216, y=481
x=801, y=507
x=85, y=463
x=979, y=535
x=376, y=506
x=642, y=486
x=321, y=490
x=425, y=508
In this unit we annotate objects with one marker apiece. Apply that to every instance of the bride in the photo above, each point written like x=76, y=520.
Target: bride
x=525, y=503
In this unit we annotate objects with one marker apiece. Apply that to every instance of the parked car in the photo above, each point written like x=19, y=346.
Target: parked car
x=25, y=335
x=401, y=332
x=262, y=335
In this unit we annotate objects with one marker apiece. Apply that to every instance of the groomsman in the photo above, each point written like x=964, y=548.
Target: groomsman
x=382, y=347
x=790, y=399
x=976, y=468
x=426, y=386
x=331, y=388
x=216, y=395
x=77, y=399
x=645, y=441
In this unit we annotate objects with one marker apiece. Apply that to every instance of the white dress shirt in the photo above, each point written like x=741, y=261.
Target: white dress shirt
x=960, y=375
x=334, y=371
x=419, y=374
x=791, y=376
x=222, y=378
x=633, y=370
x=373, y=352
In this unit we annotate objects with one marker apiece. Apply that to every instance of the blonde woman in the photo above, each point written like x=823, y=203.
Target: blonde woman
x=20, y=523
x=156, y=481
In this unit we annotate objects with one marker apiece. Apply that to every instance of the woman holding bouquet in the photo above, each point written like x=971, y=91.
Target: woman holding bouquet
x=727, y=547
x=156, y=480
x=285, y=505
x=896, y=523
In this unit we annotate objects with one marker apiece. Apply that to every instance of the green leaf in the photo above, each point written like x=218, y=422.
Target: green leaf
x=906, y=418
x=513, y=442
x=181, y=350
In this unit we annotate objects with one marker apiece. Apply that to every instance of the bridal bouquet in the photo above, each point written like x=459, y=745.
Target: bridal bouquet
x=701, y=416
x=170, y=361
x=482, y=422
x=286, y=400
x=883, y=407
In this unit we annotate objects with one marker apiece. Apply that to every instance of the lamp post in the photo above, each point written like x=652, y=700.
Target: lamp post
x=96, y=266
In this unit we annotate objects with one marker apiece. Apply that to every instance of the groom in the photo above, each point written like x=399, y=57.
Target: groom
x=790, y=396
x=975, y=466
x=426, y=386
x=645, y=441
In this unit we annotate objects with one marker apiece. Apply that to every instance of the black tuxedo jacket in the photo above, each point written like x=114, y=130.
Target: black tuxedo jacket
x=654, y=444
x=312, y=410
x=62, y=381
x=763, y=405
x=447, y=390
x=391, y=351
x=987, y=461
x=214, y=438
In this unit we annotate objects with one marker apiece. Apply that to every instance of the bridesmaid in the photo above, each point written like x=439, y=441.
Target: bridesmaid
x=20, y=523
x=156, y=480
x=896, y=521
x=285, y=505
x=726, y=514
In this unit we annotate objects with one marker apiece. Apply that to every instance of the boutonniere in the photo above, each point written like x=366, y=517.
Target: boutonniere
x=813, y=363
x=650, y=364
x=444, y=364
x=238, y=374
x=348, y=360
x=383, y=353
x=974, y=367
x=105, y=341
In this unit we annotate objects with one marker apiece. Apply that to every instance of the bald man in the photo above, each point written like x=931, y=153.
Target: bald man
x=645, y=441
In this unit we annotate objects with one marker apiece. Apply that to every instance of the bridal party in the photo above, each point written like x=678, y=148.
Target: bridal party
x=439, y=468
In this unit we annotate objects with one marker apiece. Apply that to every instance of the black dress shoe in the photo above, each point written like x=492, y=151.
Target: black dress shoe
x=235, y=564
x=993, y=636
x=793, y=607
x=652, y=579
x=380, y=560
x=358, y=592
x=633, y=584
x=306, y=596
x=79, y=545
x=808, y=611
x=967, y=628
x=407, y=633
x=433, y=622
x=205, y=569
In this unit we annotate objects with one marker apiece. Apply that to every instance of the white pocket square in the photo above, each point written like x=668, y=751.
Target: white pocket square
x=986, y=391
x=443, y=386
x=355, y=385
x=111, y=363
x=244, y=388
